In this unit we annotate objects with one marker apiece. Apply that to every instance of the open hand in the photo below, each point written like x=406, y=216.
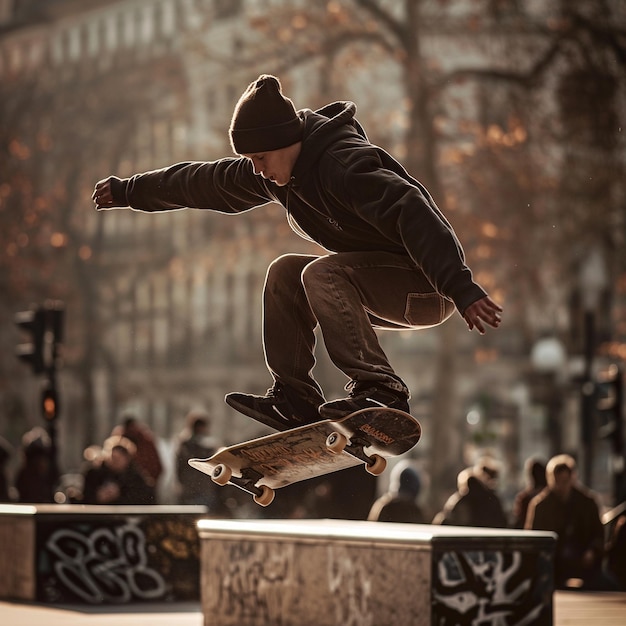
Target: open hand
x=481, y=312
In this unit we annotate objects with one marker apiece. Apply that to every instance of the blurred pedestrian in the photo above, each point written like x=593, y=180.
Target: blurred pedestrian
x=5, y=456
x=616, y=552
x=535, y=473
x=571, y=511
x=400, y=503
x=36, y=478
x=147, y=457
x=196, y=443
x=114, y=477
x=475, y=503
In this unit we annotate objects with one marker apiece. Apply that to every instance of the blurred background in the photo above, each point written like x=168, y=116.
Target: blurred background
x=512, y=113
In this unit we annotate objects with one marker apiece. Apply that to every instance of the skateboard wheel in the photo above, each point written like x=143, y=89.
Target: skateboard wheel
x=266, y=497
x=221, y=474
x=336, y=442
x=377, y=465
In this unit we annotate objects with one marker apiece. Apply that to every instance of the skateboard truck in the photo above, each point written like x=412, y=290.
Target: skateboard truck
x=338, y=443
x=263, y=495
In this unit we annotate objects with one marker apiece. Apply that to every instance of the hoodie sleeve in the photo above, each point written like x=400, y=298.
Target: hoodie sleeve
x=405, y=212
x=228, y=186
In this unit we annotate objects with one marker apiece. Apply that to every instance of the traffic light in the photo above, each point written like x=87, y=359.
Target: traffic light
x=55, y=316
x=49, y=403
x=610, y=400
x=33, y=323
x=44, y=324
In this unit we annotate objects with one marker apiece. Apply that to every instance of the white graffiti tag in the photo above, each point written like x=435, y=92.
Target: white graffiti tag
x=106, y=565
x=478, y=588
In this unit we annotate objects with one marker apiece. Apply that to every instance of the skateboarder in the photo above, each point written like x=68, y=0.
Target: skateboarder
x=395, y=260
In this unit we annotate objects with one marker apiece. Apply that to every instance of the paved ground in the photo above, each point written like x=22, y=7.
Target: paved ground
x=588, y=609
x=570, y=609
x=179, y=614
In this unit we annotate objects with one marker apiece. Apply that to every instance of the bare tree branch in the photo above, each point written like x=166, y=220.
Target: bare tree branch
x=526, y=79
x=382, y=16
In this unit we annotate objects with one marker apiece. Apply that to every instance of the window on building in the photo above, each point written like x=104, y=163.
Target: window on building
x=167, y=19
x=227, y=8
x=146, y=24
x=74, y=43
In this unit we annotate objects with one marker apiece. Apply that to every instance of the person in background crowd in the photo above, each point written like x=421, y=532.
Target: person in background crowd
x=475, y=502
x=36, y=479
x=616, y=552
x=196, y=443
x=5, y=456
x=571, y=511
x=535, y=471
x=399, y=504
x=147, y=458
x=452, y=509
x=114, y=477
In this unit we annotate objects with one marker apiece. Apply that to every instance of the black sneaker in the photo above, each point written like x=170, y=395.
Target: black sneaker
x=365, y=396
x=274, y=409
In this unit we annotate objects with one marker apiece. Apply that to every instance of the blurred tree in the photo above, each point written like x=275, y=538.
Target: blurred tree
x=484, y=85
x=481, y=134
x=57, y=138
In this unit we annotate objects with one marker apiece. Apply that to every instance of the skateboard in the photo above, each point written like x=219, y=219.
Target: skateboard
x=262, y=465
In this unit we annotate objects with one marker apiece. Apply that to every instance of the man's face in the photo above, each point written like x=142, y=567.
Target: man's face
x=119, y=461
x=275, y=165
x=562, y=485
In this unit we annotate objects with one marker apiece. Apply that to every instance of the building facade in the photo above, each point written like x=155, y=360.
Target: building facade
x=167, y=311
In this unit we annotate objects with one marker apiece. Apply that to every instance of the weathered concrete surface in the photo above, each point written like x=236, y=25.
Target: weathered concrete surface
x=99, y=554
x=327, y=573
x=288, y=583
x=17, y=546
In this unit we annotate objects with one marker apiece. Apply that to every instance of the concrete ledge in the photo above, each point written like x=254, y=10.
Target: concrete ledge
x=322, y=573
x=99, y=554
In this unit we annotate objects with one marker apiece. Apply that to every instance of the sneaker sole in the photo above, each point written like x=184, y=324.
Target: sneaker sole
x=336, y=414
x=264, y=419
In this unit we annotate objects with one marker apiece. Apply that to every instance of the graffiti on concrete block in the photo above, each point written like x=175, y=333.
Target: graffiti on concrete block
x=350, y=585
x=105, y=565
x=103, y=560
x=491, y=588
x=257, y=583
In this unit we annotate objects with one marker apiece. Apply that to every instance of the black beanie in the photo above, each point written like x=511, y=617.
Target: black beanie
x=264, y=119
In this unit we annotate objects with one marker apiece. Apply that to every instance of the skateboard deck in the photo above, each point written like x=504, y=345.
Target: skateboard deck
x=262, y=465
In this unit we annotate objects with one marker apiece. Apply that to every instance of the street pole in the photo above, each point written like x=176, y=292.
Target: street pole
x=548, y=360
x=44, y=327
x=588, y=399
x=593, y=281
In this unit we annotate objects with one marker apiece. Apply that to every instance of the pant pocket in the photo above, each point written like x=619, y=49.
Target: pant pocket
x=427, y=309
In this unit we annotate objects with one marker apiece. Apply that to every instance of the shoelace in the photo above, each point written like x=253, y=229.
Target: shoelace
x=356, y=389
x=274, y=392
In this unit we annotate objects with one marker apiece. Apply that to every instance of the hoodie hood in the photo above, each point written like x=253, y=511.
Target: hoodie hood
x=324, y=127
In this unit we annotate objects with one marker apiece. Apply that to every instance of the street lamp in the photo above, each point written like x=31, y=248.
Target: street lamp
x=548, y=360
x=548, y=356
x=593, y=281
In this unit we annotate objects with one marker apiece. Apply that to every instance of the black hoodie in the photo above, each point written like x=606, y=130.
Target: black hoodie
x=345, y=194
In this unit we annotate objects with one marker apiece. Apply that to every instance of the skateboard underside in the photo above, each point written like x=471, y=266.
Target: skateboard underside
x=274, y=461
x=299, y=456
